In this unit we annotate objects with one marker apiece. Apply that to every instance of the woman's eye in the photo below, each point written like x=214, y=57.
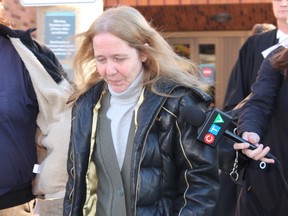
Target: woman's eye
x=118, y=59
x=100, y=60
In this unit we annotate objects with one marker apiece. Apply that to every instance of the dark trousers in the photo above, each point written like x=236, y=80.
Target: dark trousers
x=25, y=209
x=228, y=196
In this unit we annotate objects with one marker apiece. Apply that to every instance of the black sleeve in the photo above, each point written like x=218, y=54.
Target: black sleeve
x=258, y=109
x=246, y=68
x=46, y=57
x=50, y=62
x=198, y=168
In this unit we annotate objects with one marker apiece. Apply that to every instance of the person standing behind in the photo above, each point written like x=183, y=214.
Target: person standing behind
x=33, y=95
x=131, y=150
x=264, y=120
x=250, y=57
x=243, y=75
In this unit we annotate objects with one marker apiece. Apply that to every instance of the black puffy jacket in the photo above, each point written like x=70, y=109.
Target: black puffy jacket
x=186, y=170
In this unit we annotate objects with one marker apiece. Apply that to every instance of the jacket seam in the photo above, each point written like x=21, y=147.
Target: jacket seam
x=142, y=152
x=185, y=156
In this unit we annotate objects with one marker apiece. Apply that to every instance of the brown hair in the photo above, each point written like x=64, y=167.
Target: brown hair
x=280, y=60
x=129, y=24
x=262, y=27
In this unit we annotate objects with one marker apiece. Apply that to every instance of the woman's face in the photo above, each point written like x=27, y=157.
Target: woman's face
x=117, y=62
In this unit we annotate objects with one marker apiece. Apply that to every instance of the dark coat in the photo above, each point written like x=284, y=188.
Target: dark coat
x=165, y=148
x=19, y=191
x=245, y=70
x=265, y=192
x=45, y=56
x=243, y=75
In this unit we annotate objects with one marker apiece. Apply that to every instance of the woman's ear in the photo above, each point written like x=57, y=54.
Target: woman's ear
x=143, y=56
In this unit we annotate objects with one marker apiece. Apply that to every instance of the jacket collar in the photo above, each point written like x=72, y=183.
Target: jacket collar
x=151, y=107
x=5, y=31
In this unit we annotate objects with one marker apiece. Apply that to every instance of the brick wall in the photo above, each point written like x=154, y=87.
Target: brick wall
x=21, y=17
x=191, y=17
x=201, y=17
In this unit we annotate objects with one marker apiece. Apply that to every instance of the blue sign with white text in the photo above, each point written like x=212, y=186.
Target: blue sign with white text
x=59, y=30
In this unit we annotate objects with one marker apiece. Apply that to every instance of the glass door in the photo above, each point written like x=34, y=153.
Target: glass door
x=215, y=52
x=207, y=63
x=203, y=53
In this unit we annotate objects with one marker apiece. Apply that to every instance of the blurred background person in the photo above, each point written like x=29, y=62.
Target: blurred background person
x=243, y=75
x=264, y=120
x=250, y=57
x=33, y=96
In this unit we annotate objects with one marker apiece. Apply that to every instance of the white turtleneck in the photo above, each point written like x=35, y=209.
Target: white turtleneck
x=120, y=113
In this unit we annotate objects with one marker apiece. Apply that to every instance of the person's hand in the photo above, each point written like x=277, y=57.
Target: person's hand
x=257, y=154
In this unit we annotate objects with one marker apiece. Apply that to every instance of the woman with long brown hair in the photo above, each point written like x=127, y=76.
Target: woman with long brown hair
x=131, y=150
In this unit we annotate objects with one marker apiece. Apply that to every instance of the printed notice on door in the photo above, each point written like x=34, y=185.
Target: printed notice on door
x=59, y=30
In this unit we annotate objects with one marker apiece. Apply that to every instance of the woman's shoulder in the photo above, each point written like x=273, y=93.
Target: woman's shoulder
x=194, y=95
x=92, y=94
x=188, y=98
x=167, y=86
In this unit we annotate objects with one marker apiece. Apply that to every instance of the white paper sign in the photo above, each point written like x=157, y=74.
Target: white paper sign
x=53, y=2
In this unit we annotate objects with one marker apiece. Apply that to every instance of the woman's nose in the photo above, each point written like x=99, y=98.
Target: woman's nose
x=110, y=69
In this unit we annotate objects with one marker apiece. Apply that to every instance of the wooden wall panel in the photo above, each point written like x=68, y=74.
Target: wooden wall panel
x=127, y=2
x=224, y=2
x=255, y=1
x=157, y=2
x=172, y=2
x=108, y=3
x=185, y=2
x=226, y=59
x=194, y=2
x=142, y=2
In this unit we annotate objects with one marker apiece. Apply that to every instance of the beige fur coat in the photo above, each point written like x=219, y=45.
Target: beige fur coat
x=54, y=121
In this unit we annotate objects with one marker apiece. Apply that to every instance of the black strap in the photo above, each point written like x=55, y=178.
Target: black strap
x=16, y=196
